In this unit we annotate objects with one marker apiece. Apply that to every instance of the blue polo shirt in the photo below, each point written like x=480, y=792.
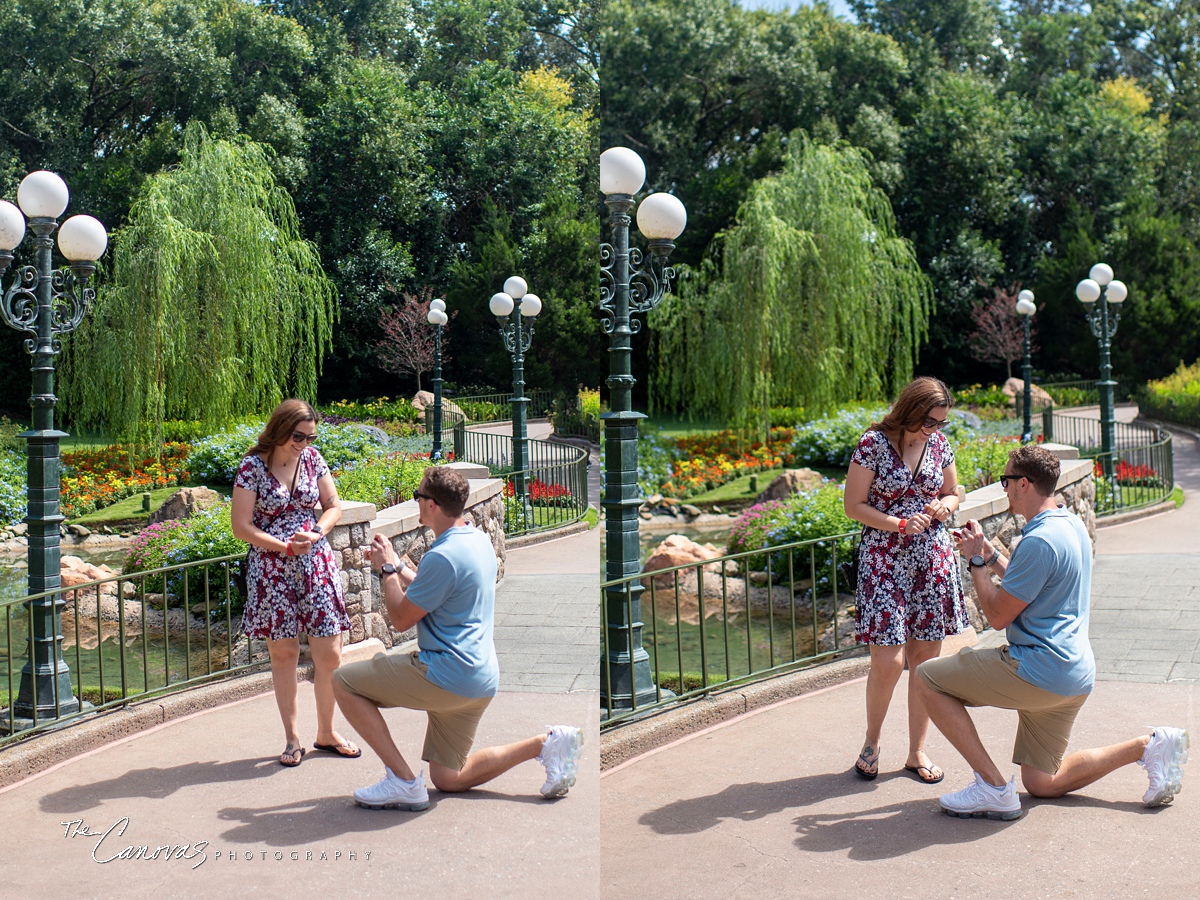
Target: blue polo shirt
x=456, y=586
x=1051, y=570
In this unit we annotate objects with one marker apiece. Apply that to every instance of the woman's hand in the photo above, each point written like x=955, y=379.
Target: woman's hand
x=300, y=542
x=918, y=523
x=936, y=509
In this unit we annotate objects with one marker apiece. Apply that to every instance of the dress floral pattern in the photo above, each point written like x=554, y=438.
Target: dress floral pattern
x=909, y=586
x=290, y=594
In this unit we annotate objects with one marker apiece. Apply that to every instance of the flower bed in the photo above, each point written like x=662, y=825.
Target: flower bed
x=93, y=479
x=709, y=461
x=383, y=480
x=542, y=493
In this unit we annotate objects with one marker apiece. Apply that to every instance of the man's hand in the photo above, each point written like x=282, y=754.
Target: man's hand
x=381, y=551
x=970, y=539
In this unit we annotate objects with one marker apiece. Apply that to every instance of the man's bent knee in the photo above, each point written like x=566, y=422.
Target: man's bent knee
x=446, y=779
x=1039, y=783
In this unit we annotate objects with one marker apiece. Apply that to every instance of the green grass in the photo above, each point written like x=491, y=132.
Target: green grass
x=129, y=511
x=739, y=490
x=592, y=517
x=1177, y=496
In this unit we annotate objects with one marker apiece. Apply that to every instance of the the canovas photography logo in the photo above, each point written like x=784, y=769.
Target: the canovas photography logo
x=111, y=844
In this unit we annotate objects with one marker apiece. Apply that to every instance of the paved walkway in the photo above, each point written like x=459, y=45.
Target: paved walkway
x=765, y=805
x=210, y=784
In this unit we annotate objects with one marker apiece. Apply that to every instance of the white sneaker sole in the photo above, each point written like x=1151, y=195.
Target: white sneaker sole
x=986, y=814
x=566, y=779
x=405, y=807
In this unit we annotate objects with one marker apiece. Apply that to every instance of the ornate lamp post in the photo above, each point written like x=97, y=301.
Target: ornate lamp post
x=1025, y=309
x=517, y=338
x=47, y=303
x=1104, y=326
x=437, y=318
x=627, y=288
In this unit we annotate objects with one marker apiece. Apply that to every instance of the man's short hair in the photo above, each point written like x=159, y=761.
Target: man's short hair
x=448, y=489
x=1037, y=464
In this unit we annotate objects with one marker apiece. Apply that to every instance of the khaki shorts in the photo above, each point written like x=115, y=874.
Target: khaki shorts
x=398, y=679
x=988, y=677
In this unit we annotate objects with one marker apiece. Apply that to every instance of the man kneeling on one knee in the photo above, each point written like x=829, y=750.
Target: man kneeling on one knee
x=452, y=672
x=1046, y=670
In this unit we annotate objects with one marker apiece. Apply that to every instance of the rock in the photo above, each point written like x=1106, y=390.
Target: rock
x=1015, y=386
x=789, y=482
x=654, y=500
x=972, y=420
x=669, y=501
x=19, y=529
x=677, y=550
x=422, y=399
x=688, y=510
x=184, y=503
x=646, y=514
x=79, y=531
x=717, y=511
x=378, y=435
x=106, y=530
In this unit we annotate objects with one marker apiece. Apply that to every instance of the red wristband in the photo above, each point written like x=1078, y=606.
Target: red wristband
x=903, y=524
x=288, y=549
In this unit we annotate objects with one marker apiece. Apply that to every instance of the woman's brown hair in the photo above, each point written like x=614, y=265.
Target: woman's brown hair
x=912, y=407
x=284, y=419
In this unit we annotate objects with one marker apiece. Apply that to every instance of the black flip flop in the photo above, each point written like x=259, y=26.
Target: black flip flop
x=927, y=777
x=337, y=750
x=290, y=754
x=869, y=760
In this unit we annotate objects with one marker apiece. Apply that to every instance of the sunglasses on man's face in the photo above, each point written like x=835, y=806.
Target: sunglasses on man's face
x=299, y=437
x=418, y=495
x=932, y=424
x=1004, y=479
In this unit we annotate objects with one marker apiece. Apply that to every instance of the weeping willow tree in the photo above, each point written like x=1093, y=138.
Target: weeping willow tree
x=809, y=299
x=216, y=307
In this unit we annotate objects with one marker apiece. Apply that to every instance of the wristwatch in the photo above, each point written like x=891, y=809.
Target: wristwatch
x=991, y=560
x=317, y=528
x=387, y=569
x=975, y=562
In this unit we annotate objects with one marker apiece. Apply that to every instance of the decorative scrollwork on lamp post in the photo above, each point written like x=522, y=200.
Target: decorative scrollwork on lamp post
x=1101, y=286
x=46, y=303
x=628, y=287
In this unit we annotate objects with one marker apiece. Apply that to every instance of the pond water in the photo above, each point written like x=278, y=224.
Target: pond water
x=150, y=662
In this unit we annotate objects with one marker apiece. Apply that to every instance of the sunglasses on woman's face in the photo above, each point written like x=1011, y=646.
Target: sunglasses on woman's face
x=299, y=437
x=932, y=424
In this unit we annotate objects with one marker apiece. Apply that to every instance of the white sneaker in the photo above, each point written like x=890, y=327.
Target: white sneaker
x=395, y=793
x=559, y=753
x=982, y=799
x=1163, y=760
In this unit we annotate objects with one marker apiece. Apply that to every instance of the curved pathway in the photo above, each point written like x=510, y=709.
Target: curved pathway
x=766, y=806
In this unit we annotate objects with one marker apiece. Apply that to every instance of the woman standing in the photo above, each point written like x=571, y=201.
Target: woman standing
x=293, y=580
x=902, y=485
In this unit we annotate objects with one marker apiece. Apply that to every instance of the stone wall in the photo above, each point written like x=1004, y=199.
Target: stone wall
x=361, y=522
x=989, y=506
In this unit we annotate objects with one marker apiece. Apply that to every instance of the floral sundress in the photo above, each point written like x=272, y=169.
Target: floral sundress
x=290, y=594
x=909, y=587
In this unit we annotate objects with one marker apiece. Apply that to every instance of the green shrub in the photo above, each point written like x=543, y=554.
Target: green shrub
x=980, y=398
x=809, y=515
x=8, y=436
x=13, y=491
x=215, y=459
x=1175, y=398
x=788, y=416
x=382, y=480
x=206, y=535
x=398, y=410
x=830, y=440
x=980, y=461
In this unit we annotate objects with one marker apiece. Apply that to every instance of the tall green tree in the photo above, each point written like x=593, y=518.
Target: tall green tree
x=216, y=308
x=810, y=298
